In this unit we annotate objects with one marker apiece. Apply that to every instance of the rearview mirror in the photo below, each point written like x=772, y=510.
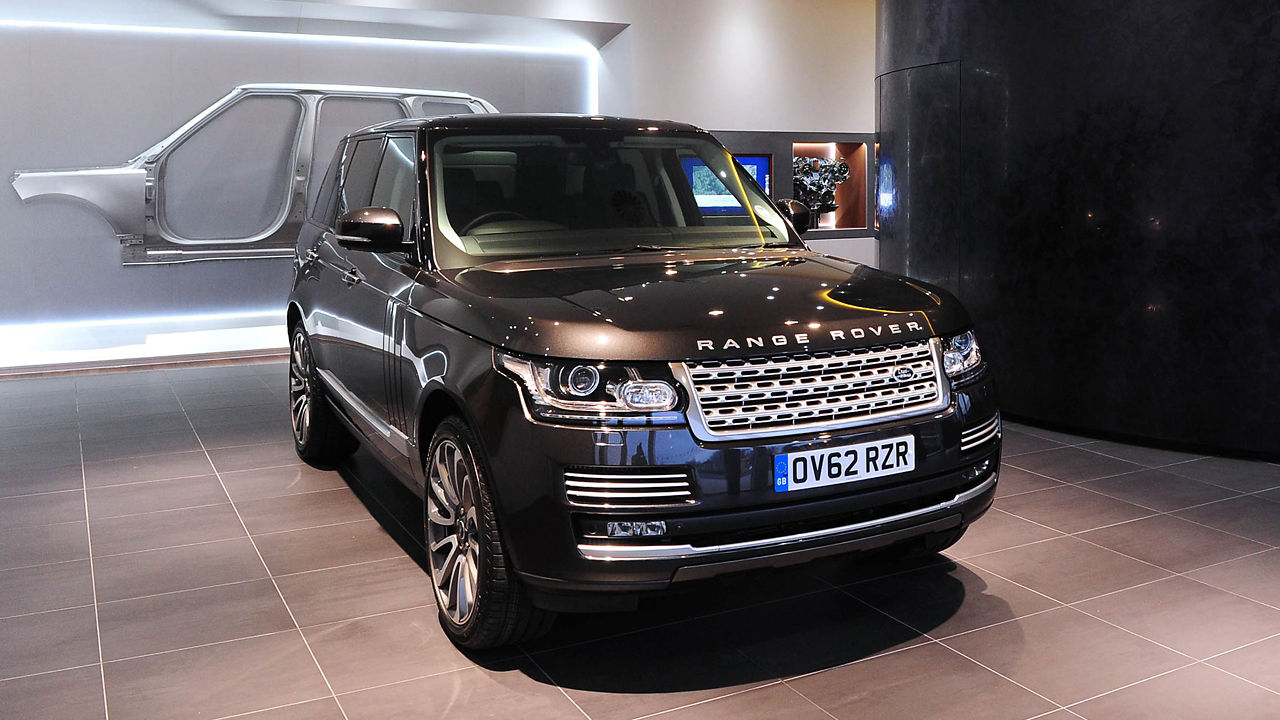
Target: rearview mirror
x=797, y=212
x=372, y=229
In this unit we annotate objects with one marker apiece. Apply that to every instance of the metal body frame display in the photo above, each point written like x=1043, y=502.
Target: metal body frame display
x=130, y=196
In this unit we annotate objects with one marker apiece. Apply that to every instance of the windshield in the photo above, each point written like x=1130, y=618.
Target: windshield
x=588, y=191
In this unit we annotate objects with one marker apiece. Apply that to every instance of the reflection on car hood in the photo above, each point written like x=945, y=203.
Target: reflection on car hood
x=693, y=304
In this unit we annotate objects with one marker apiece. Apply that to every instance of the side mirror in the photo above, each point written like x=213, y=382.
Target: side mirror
x=797, y=212
x=372, y=229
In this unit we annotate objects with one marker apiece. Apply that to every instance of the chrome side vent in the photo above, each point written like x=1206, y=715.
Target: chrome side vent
x=979, y=434
x=627, y=487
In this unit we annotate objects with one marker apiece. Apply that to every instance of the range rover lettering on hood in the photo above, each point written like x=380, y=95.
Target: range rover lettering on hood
x=899, y=330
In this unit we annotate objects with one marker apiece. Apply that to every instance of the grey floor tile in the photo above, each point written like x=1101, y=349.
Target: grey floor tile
x=17, y=386
x=1147, y=456
x=830, y=628
x=1191, y=693
x=168, y=528
x=44, y=509
x=1066, y=655
x=302, y=510
x=246, y=384
x=947, y=599
x=652, y=670
x=40, y=413
x=1016, y=482
x=29, y=482
x=1057, y=436
x=65, y=695
x=43, y=544
x=1242, y=475
x=326, y=547
x=929, y=681
x=45, y=587
x=1172, y=543
x=372, y=651
x=192, y=617
x=1071, y=509
x=275, y=482
x=112, y=428
x=1272, y=495
x=1067, y=569
x=178, y=568
x=325, y=596
x=158, y=391
x=252, y=433
x=1072, y=464
x=215, y=680
x=1247, y=516
x=19, y=437
x=324, y=709
x=1256, y=577
x=1188, y=616
x=252, y=457
x=119, y=379
x=1159, y=490
x=231, y=399
x=41, y=456
x=159, y=443
x=271, y=411
x=22, y=404
x=1015, y=442
x=766, y=703
x=998, y=530
x=144, y=497
x=1259, y=662
x=142, y=469
x=47, y=641
x=513, y=689
x=122, y=409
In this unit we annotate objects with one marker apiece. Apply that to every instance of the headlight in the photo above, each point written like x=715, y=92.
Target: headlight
x=960, y=354
x=594, y=391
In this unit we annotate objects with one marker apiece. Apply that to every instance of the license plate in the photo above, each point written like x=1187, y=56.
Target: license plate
x=843, y=463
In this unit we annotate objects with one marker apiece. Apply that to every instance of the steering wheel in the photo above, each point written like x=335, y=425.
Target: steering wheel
x=491, y=216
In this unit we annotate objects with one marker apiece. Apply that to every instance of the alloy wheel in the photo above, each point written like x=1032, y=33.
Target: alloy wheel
x=300, y=388
x=453, y=534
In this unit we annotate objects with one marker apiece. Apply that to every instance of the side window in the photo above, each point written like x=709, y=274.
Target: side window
x=340, y=116
x=232, y=178
x=362, y=165
x=324, y=207
x=396, y=185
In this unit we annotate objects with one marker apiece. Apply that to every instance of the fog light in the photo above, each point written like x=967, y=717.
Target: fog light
x=981, y=469
x=648, y=395
x=637, y=528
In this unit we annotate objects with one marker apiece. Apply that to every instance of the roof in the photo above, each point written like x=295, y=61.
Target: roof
x=524, y=122
x=354, y=89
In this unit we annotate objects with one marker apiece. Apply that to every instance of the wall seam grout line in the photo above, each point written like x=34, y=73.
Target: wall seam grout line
x=297, y=628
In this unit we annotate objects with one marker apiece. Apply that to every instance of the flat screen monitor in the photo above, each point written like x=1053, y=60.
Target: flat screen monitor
x=709, y=191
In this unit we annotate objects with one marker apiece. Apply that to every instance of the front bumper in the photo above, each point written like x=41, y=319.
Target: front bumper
x=736, y=520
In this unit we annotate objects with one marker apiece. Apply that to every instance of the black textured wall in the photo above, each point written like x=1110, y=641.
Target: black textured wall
x=1099, y=181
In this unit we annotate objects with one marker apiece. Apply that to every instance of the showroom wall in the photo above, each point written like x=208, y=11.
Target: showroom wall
x=1097, y=180
x=96, y=90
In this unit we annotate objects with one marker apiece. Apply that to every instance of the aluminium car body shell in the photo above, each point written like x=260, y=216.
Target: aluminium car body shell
x=128, y=196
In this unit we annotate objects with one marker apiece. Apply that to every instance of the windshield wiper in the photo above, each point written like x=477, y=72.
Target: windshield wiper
x=650, y=248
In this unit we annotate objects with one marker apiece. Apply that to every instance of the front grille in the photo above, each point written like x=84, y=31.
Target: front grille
x=626, y=487
x=980, y=434
x=773, y=395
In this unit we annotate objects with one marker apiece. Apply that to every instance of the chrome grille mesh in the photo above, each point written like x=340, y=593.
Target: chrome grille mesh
x=609, y=486
x=770, y=395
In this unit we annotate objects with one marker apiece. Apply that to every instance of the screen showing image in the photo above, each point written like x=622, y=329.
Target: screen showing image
x=710, y=192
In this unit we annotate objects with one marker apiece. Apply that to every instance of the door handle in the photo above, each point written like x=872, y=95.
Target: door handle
x=352, y=277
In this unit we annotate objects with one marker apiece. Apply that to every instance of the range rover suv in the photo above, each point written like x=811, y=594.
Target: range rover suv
x=607, y=364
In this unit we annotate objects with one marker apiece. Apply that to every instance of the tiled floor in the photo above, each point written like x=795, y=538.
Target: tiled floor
x=163, y=554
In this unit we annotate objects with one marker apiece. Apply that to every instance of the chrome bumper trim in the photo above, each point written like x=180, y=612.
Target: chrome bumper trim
x=679, y=552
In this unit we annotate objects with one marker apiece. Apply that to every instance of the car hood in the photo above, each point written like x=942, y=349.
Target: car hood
x=690, y=305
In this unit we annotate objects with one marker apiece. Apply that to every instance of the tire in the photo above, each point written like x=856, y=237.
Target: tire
x=481, y=601
x=319, y=437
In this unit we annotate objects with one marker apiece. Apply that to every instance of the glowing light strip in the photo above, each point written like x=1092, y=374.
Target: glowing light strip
x=272, y=316
x=587, y=52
